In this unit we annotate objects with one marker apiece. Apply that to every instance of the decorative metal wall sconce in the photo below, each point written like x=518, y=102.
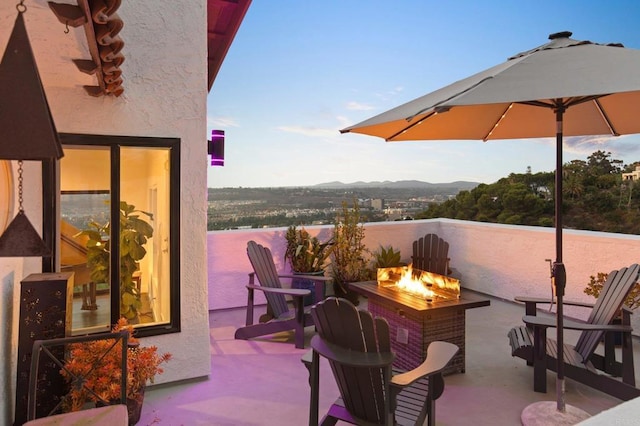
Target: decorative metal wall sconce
x=27, y=129
x=216, y=147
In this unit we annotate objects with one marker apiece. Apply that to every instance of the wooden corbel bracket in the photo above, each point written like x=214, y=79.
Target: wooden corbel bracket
x=101, y=25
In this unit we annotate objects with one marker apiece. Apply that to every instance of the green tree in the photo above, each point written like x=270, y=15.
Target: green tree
x=595, y=198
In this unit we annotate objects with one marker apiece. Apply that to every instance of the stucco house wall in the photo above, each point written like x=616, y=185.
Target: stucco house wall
x=165, y=82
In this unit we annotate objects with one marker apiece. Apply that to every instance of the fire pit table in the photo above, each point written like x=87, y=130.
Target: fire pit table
x=415, y=322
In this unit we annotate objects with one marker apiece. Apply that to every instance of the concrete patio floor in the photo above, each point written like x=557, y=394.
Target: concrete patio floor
x=263, y=382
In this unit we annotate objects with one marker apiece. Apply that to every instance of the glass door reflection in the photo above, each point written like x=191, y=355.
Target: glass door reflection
x=85, y=206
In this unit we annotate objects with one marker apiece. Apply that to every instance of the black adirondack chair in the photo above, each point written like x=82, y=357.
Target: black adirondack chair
x=359, y=352
x=281, y=316
x=431, y=253
x=582, y=363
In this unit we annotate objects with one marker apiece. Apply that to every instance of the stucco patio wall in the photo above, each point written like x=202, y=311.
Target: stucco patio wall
x=500, y=260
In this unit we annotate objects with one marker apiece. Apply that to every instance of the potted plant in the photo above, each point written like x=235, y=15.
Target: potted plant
x=594, y=287
x=387, y=257
x=350, y=256
x=143, y=364
x=134, y=233
x=306, y=255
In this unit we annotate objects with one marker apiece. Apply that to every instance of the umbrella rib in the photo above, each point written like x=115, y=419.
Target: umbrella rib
x=605, y=117
x=390, y=138
x=436, y=109
x=446, y=108
x=497, y=123
x=538, y=104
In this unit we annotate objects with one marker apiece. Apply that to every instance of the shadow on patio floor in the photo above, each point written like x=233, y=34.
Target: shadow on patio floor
x=263, y=382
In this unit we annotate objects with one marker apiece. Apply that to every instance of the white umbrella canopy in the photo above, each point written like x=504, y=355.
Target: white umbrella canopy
x=564, y=87
x=599, y=86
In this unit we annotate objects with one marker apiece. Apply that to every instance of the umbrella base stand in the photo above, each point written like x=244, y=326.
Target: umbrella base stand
x=545, y=413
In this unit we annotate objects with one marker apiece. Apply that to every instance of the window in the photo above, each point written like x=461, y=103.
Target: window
x=135, y=181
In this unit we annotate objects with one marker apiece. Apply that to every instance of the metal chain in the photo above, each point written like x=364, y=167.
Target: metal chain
x=21, y=7
x=20, y=208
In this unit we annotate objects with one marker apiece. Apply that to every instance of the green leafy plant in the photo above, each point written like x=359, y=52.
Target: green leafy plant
x=594, y=287
x=134, y=233
x=350, y=256
x=387, y=257
x=305, y=253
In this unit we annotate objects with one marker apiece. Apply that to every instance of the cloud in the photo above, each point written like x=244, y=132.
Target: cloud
x=390, y=94
x=315, y=132
x=621, y=147
x=356, y=106
x=222, y=122
x=344, y=121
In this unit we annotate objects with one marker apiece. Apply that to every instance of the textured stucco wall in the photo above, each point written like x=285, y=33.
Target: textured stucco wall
x=500, y=260
x=165, y=74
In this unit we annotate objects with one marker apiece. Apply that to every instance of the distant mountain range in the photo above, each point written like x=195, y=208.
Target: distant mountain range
x=405, y=184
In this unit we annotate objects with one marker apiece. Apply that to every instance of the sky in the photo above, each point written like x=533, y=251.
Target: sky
x=299, y=71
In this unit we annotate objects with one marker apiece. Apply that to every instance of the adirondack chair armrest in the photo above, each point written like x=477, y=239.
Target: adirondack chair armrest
x=351, y=358
x=439, y=355
x=547, y=322
x=531, y=303
x=286, y=291
x=319, y=278
x=536, y=300
x=572, y=325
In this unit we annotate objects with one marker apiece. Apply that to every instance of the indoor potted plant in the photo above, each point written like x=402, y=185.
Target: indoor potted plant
x=134, y=233
x=350, y=256
x=307, y=255
x=143, y=364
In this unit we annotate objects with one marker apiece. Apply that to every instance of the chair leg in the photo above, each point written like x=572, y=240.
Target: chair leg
x=540, y=359
x=314, y=382
x=328, y=421
x=628, y=370
x=431, y=411
x=249, y=319
x=299, y=330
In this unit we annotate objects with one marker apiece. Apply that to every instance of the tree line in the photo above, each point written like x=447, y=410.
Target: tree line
x=595, y=198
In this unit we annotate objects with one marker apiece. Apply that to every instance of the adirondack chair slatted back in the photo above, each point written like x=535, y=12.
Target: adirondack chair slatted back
x=612, y=296
x=265, y=269
x=431, y=253
x=362, y=389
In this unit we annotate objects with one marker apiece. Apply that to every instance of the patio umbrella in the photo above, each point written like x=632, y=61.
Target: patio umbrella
x=564, y=87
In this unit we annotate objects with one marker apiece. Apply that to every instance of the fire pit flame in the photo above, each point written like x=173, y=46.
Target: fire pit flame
x=425, y=285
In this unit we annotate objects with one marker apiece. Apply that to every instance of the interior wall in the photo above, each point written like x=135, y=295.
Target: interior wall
x=165, y=90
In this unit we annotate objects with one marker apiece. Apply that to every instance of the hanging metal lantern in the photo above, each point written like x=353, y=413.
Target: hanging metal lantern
x=27, y=129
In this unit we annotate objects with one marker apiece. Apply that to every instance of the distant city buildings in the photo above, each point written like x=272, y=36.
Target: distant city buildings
x=377, y=204
x=240, y=208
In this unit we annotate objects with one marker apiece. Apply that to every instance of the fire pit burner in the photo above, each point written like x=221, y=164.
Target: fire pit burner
x=425, y=285
x=435, y=297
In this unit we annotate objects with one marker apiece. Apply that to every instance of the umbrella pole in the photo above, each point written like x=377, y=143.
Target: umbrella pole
x=559, y=272
x=544, y=412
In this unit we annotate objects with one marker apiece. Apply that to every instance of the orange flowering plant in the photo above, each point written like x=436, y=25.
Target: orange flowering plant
x=594, y=287
x=143, y=363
